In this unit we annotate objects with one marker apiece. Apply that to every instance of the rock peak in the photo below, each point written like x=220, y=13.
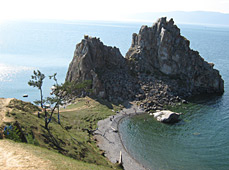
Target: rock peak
x=99, y=63
x=163, y=21
x=161, y=49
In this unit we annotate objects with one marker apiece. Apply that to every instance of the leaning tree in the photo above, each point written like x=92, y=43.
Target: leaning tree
x=37, y=81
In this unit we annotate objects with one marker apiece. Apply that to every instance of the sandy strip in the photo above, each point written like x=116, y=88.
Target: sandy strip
x=109, y=139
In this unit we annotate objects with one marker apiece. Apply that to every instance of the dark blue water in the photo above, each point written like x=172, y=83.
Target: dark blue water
x=201, y=141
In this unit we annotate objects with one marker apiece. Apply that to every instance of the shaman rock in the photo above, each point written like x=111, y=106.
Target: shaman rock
x=159, y=68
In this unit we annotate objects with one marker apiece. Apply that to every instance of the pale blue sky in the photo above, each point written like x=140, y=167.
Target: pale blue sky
x=100, y=9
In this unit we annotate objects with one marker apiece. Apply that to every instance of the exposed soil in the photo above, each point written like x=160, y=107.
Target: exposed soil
x=13, y=157
x=4, y=109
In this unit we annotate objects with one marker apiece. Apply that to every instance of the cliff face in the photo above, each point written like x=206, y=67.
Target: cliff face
x=105, y=66
x=159, y=67
x=162, y=48
x=91, y=55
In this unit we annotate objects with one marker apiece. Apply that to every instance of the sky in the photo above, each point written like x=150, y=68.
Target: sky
x=100, y=9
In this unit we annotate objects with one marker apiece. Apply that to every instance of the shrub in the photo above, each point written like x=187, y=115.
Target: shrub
x=11, y=132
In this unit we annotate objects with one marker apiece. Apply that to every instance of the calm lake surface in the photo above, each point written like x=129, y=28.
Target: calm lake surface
x=200, y=141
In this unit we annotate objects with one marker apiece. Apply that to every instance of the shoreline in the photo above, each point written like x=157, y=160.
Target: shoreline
x=109, y=139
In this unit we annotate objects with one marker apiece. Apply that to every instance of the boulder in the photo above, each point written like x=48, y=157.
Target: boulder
x=166, y=116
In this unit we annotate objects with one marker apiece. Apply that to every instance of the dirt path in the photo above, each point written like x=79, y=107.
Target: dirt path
x=14, y=157
x=3, y=109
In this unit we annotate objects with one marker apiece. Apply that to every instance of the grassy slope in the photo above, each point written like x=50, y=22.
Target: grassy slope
x=49, y=159
x=69, y=137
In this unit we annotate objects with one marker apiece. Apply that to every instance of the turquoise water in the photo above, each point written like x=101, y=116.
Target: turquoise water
x=201, y=141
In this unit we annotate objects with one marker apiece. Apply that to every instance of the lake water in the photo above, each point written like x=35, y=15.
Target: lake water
x=200, y=141
x=49, y=47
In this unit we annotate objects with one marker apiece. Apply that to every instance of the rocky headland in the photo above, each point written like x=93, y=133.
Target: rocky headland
x=159, y=68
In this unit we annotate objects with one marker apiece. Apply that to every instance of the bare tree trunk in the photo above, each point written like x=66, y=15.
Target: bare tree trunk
x=58, y=113
x=41, y=98
x=46, y=119
x=50, y=118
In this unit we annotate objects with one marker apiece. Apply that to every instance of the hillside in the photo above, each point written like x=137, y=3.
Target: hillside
x=68, y=138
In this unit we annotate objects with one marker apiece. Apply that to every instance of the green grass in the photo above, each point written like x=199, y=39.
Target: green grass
x=91, y=113
x=67, y=138
x=23, y=106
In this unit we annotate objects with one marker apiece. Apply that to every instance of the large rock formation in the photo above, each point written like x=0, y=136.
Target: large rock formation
x=161, y=48
x=159, y=68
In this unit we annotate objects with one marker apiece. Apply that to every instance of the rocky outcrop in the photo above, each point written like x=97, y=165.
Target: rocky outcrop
x=105, y=66
x=166, y=116
x=159, y=68
x=161, y=49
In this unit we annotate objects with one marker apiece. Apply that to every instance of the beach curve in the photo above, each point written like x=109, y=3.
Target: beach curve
x=109, y=139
